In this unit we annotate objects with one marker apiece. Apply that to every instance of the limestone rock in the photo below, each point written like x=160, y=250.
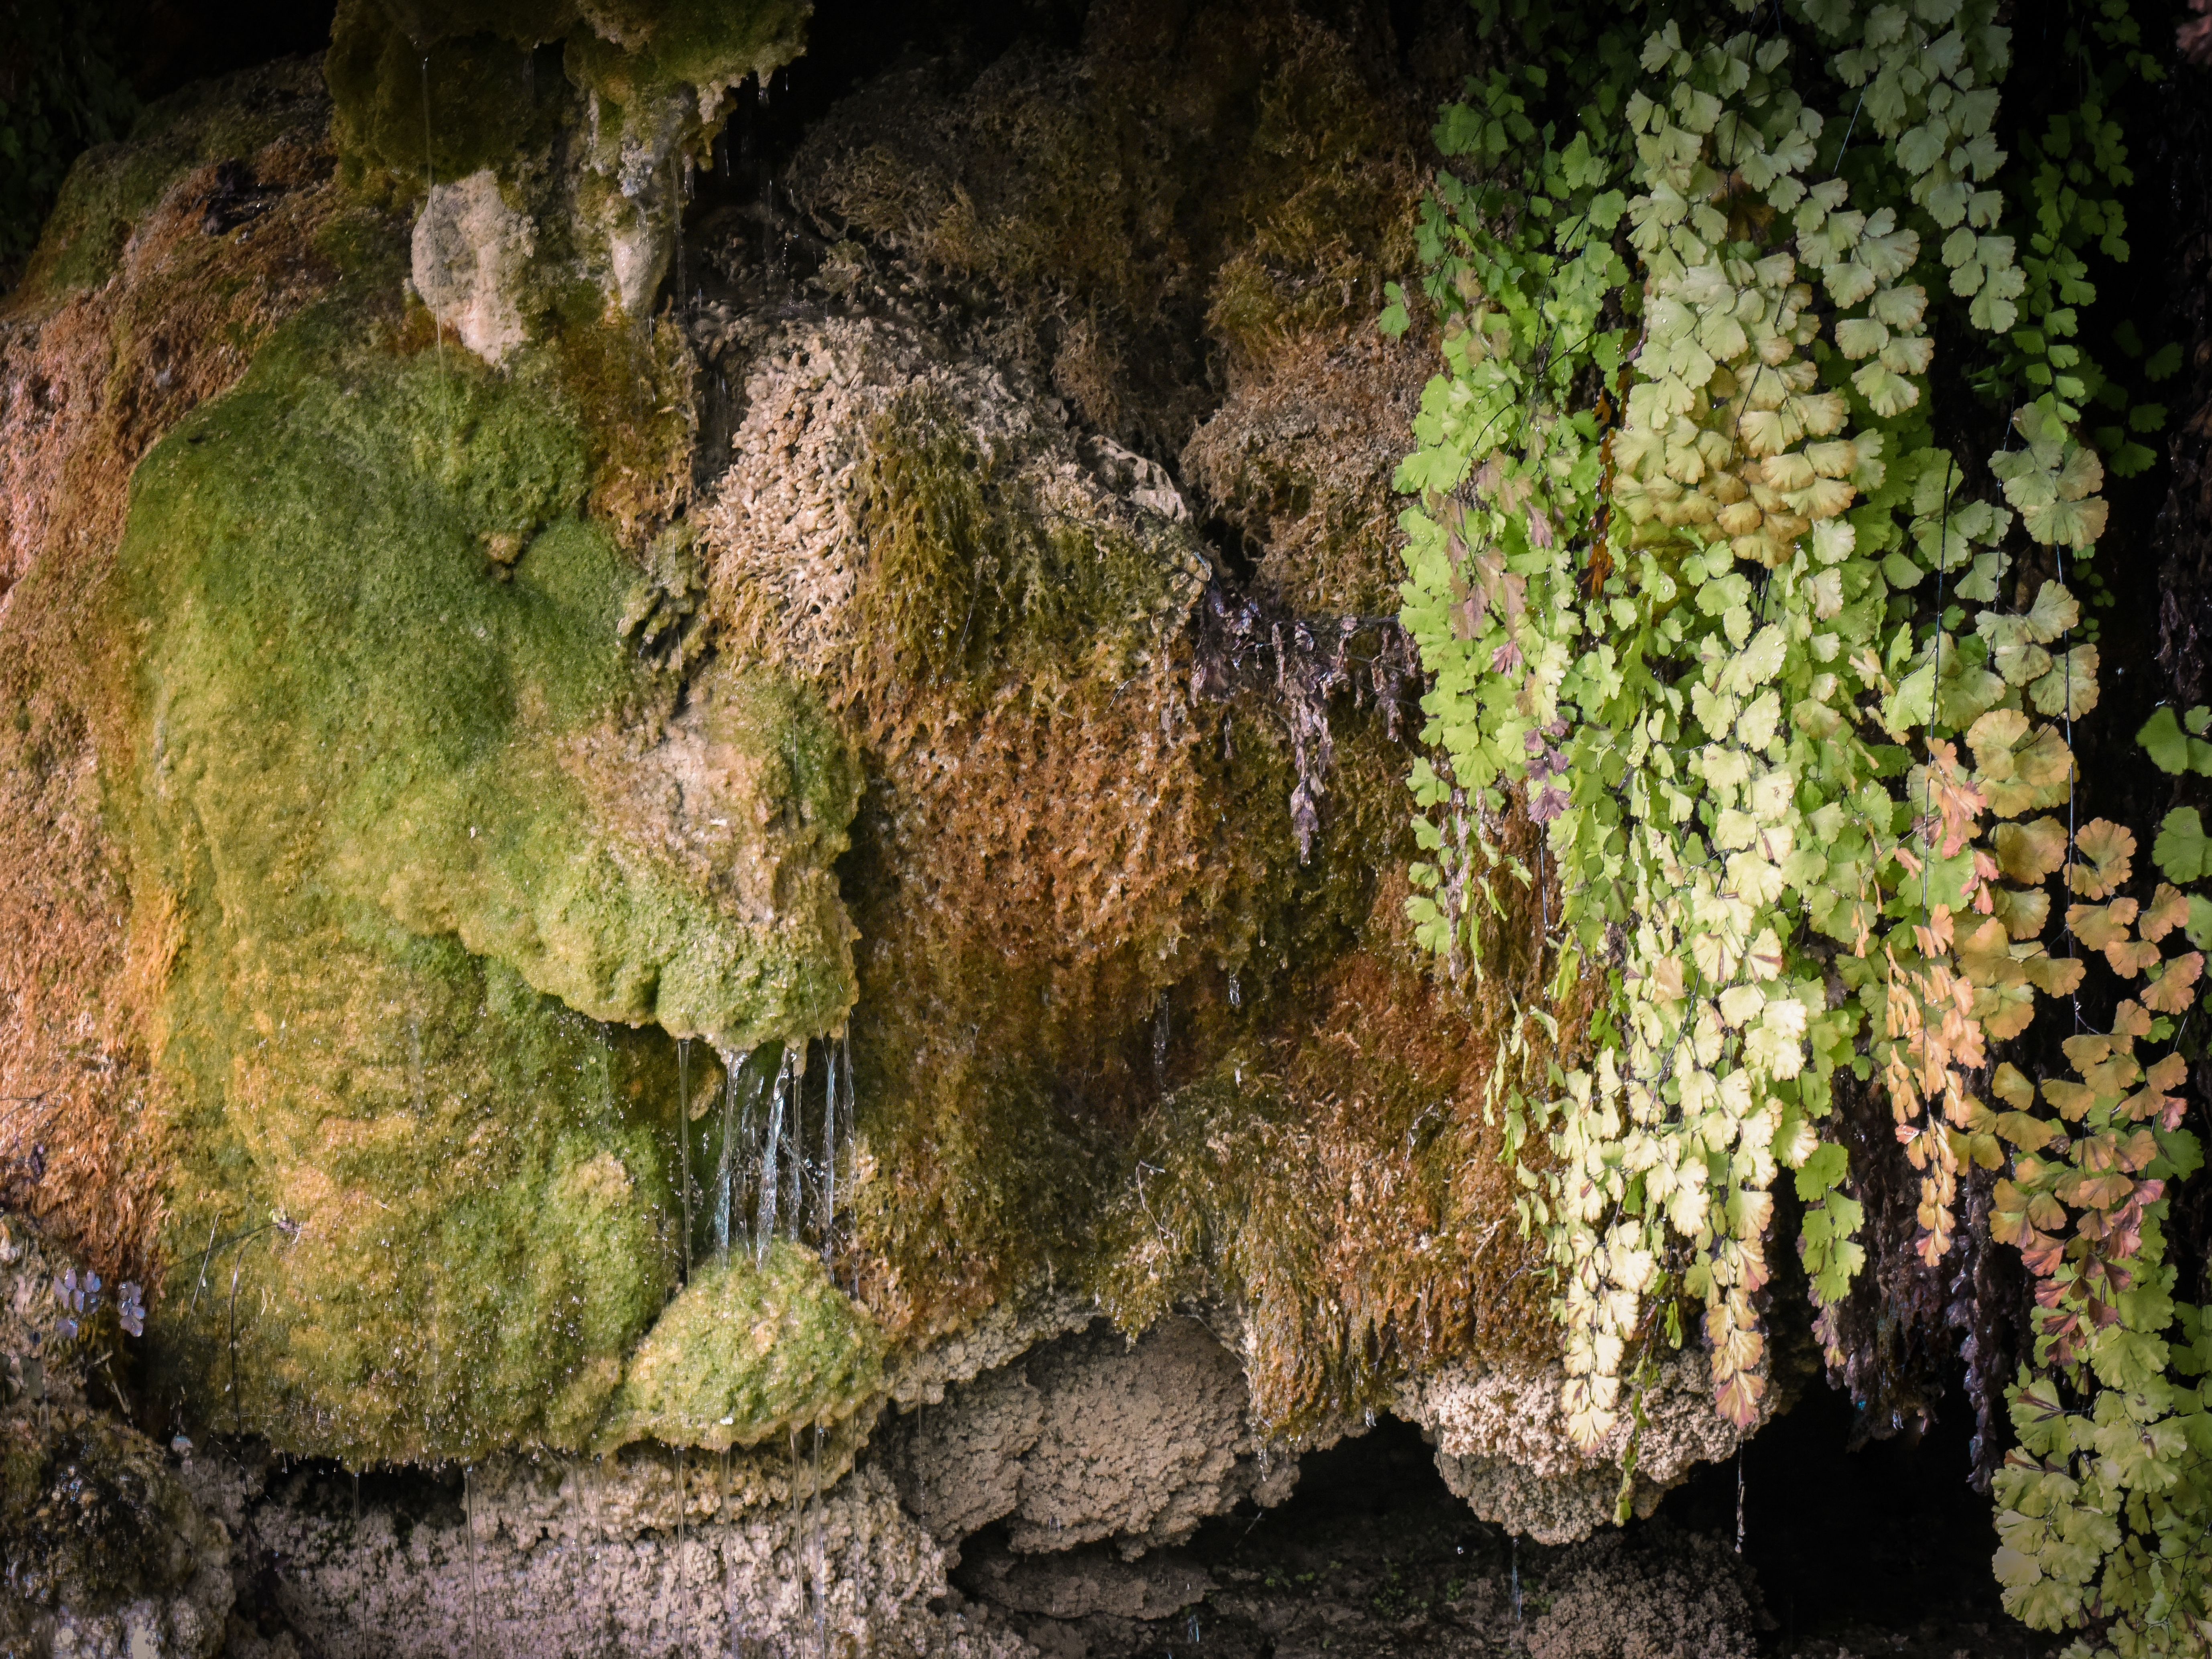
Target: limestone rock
x=1502, y=1443
x=425, y=1579
x=1079, y=1583
x=1006, y=1330
x=1088, y=1438
x=471, y=252
x=1662, y=1597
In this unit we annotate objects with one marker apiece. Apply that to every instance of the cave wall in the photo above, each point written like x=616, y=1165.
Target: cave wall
x=548, y=612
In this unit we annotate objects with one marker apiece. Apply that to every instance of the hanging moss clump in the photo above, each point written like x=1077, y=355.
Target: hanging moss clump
x=746, y=1353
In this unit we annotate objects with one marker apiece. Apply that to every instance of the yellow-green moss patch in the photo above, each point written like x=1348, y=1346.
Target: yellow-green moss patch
x=746, y=1353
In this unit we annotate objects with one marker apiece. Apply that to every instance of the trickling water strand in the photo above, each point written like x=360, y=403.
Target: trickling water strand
x=726, y=1171
x=1738, y=1500
x=828, y=1152
x=1160, y=1041
x=745, y=1163
x=468, y=1521
x=1517, y=1584
x=683, y=1540
x=795, y=1517
x=1235, y=992
x=765, y=1228
x=794, y=1151
x=683, y=1141
x=819, y=1584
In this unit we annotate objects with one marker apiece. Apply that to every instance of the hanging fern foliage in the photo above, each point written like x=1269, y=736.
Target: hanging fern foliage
x=1792, y=690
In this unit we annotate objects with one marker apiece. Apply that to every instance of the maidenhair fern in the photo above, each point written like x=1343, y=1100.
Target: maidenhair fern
x=1789, y=689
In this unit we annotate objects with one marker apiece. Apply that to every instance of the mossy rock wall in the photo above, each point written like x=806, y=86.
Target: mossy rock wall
x=466, y=736
x=417, y=817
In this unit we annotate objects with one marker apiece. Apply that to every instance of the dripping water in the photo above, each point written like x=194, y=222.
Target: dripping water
x=794, y=1157
x=795, y=1516
x=725, y=1171
x=819, y=1584
x=778, y=1163
x=827, y=1213
x=684, y=1141
x=771, y=1161
x=468, y=1521
x=1738, y=1500
x=683, y=1550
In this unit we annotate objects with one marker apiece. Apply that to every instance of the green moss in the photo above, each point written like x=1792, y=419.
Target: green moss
x=351, y=629
x=636, y=48
x=969, y=576
x=746, y=1354
x=479, y=84
x=112, y=187
x=487, y=104
x=406, y=813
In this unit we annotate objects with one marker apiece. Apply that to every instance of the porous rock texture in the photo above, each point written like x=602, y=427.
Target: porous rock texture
x=1663, y=1594
x=1502, y=1443
x=1088, y=1438
x=592, y=1562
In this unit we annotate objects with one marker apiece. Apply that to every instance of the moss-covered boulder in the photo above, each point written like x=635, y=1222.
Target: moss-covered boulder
x=749, y=1352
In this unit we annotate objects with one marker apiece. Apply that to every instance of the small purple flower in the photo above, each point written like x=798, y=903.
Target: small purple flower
x=131, y=1309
